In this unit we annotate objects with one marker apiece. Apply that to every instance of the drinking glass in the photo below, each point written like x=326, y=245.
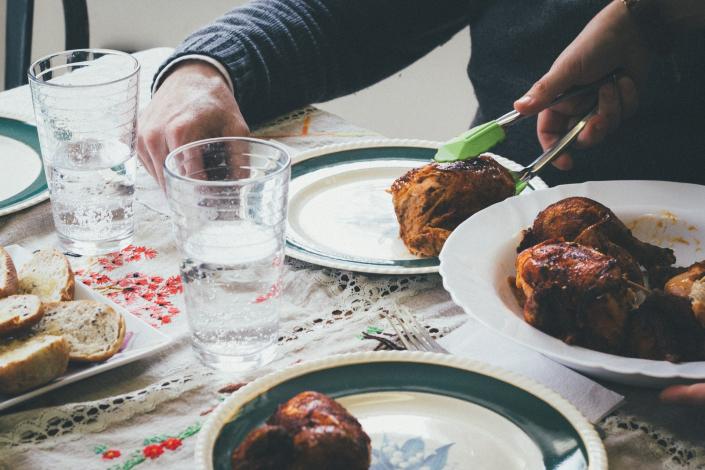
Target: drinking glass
x=85, y=105
x=228, y=197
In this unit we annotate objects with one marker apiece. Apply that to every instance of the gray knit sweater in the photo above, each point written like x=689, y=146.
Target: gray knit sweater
x=284, y=54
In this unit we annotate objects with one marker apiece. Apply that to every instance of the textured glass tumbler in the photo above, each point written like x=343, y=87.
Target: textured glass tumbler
x=229, y=198
x=85, y=105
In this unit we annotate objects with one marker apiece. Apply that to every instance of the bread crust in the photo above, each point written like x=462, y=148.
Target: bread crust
x=39, y=368
x=11, y=284
x=18, y=324
x=113, y=348
x=28, y=277
x=68, y=292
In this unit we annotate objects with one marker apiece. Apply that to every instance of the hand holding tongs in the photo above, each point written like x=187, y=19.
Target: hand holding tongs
x=482, y=138
x=523, y=177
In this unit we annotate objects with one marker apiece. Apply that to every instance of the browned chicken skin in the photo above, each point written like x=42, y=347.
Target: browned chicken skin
x=568, y=218
x=574, y=293
x=595, y=237
x=310, y=431
x=690, y=285
x=578, y=270
x=431, y=201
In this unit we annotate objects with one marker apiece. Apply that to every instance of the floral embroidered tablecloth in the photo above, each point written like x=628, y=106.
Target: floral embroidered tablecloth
x=148, y=413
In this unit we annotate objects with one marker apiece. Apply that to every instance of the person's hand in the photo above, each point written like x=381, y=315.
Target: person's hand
x=685, y=394
x=611, y=41
x=194, y=102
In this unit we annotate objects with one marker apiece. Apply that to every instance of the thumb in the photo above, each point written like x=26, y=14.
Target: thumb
x=546, y=89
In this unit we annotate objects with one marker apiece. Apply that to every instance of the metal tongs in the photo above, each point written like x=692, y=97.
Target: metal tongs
x=482, y=138
x=523, y=177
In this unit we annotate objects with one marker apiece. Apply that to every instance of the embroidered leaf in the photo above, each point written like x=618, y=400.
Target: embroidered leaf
x=373, y=330
x=155, y=439
x=189, y=431
x=100, y=449
x=135, y=459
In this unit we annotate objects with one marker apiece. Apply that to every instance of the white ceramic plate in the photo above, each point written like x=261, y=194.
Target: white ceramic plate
x=340, y=214
x=22, y=181
x=142, y=340
x=479, y=256
x=421, y=410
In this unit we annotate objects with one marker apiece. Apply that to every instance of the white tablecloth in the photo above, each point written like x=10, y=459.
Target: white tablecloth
x=110, y=420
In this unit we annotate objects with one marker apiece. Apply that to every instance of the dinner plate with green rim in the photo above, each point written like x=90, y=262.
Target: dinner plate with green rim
x=421, y=410
x=22, y=181
x=340, y=213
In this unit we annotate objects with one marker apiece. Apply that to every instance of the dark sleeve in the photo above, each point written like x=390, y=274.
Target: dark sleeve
x=285, y=54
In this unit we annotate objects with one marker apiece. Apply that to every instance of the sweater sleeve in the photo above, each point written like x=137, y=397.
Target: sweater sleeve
x=285, y=54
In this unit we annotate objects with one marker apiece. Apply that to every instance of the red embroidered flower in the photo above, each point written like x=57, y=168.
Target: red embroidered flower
x=147, y=296
x=172, y=443
x=153, y=451
x=111, y=454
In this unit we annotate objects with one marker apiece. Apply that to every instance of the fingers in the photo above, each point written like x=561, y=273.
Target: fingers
x=629, y=96
x=551, y=126
x=562, y=75
x=157, y=148
x=685, y=394
x=143, y=154
x=616, y=100
x=607, y=119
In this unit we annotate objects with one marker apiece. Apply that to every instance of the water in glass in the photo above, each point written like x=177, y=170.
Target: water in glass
x=232, y=273
x=92, y=184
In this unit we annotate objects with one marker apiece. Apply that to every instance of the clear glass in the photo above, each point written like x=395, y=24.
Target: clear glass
x=229, y=198
x=85, y=104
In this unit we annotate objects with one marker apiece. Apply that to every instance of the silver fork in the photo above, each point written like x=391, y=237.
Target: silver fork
x=411, y=333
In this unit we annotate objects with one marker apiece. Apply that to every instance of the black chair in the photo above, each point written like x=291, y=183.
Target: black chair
x=18, y=35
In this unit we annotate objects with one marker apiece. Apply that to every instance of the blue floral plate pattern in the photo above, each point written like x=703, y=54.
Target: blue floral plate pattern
x=422, y=411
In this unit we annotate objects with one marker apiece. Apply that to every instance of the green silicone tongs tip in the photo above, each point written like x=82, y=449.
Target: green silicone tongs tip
x=471, y=143
x=482, y=138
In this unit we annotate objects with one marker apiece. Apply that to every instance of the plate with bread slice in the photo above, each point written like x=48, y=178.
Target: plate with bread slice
x=54, y=331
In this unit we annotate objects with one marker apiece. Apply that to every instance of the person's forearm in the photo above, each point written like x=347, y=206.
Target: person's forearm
x=283, y=54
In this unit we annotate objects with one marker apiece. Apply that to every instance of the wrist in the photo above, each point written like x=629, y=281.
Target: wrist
x=197, y=69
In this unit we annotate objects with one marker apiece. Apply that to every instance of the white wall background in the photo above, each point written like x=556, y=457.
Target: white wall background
x=431, y=99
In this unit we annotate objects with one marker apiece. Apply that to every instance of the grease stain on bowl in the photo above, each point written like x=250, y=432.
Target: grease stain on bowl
x=666, y=229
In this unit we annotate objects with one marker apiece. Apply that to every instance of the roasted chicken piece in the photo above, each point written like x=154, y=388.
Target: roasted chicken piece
x=568, y=218
x=596, y=237
x=310, y=431
x=575, y=293
x=664, y=328
x=431, y=201
x=691, y=285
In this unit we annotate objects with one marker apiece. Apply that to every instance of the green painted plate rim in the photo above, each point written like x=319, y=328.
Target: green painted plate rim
x=354, y=155
x=543, y=423
x=27, y=134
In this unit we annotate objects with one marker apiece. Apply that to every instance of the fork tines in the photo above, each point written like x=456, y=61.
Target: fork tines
x=411, y=333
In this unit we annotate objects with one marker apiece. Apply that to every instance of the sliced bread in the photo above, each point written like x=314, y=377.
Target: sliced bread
x=19, y=312
x=48, y=275
x=30, y=362
x=8, y=275
x=94, y=331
